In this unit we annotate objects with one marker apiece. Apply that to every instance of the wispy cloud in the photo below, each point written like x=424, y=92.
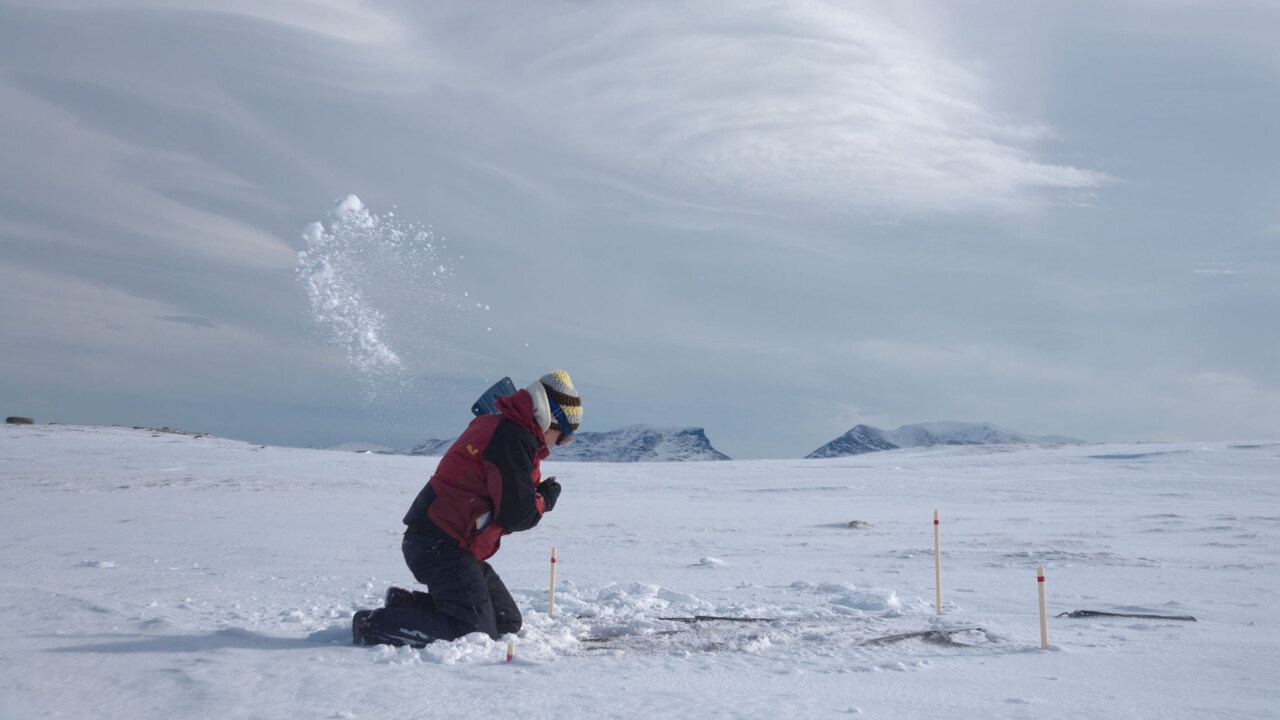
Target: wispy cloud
x=345, y=20
x=821, y=201
x=192, y=320
x=799, y=101
x=60, y=165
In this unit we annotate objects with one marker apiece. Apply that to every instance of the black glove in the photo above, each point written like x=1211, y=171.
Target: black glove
x=549, y=489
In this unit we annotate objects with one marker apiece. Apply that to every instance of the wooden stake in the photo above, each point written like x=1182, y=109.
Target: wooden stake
x=1044, y=618
x=551, y=605
x=937, y=563
x=511, y=649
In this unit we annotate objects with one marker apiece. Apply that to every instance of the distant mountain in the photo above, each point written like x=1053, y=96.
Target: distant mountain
x=864, y=439
x=639, y=443
x=434, y=448
x=364, y=447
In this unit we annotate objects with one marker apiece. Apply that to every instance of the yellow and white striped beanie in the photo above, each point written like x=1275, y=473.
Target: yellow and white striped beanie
x=561, y=391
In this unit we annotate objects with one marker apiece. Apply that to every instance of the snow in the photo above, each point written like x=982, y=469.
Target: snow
x=364, y=447
x=370, y=278
x=157, y=575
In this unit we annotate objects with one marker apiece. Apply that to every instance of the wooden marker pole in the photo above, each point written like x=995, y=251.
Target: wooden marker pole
x=511, y=649
x=937, y=563
x=1044, y=618
x=551, y=605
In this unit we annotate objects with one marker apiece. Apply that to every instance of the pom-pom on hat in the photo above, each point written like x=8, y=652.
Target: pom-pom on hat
x=560, y=390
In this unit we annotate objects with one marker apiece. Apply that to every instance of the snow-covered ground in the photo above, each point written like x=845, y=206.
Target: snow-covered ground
x=156, y=575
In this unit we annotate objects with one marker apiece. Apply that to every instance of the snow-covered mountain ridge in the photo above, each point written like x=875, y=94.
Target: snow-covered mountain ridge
x=640, y=443
x=864, y=438
x=634, y=443
x=647, y=443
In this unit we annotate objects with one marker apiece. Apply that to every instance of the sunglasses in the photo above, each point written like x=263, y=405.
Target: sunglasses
x=566, y=432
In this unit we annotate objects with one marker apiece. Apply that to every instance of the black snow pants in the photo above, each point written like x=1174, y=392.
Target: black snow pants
x=466, y=596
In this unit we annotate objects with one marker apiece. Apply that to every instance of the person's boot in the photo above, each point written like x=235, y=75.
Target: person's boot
x=398, y=597
x=364, y=631
x=358, y=621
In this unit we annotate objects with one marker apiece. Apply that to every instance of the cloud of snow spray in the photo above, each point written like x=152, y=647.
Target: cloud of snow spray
x=376, y=282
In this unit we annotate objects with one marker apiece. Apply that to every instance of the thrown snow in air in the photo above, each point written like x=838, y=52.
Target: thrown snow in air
x=378, y=289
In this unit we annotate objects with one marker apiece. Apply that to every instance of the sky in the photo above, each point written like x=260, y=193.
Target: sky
x=770, y=220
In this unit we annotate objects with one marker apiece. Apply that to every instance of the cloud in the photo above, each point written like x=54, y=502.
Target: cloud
x=1216, y=269
x=192, y=320
x=712, y=209
x=343, y=20
x=802, y=102
x=70, y=335
x=61, y=167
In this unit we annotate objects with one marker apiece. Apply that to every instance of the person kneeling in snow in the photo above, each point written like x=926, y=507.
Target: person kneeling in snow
x=488, y=484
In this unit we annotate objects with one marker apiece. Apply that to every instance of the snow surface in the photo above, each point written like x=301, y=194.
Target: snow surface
x=155, y=575
x=365, y=447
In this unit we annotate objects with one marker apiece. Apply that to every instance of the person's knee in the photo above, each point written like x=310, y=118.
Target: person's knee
x=506, y=614
x=469, y=612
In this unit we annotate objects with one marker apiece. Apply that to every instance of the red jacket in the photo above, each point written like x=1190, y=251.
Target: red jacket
x=483, y=487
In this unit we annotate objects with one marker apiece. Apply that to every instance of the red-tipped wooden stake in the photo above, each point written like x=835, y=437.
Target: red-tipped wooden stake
x=1044, y=618
x=551, y=605
x=937, y=563
x=511, y=649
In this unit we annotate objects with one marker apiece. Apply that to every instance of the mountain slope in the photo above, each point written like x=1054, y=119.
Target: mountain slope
x=640, y=443
x=864, y=438
x=635, y=443
x=434, y=448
